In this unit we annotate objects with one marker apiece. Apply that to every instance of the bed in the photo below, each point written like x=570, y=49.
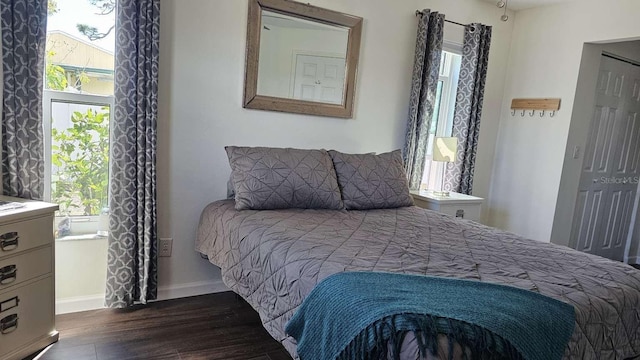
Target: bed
x=299, y=216
x=274, y=258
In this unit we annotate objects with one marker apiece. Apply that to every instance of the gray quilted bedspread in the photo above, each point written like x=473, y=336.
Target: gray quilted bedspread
x=274, y=258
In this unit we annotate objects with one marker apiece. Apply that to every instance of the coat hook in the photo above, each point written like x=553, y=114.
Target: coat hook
x=553, y=113
x=513, y=112
x=533, y=112
x=522, y=114
x=542, y=113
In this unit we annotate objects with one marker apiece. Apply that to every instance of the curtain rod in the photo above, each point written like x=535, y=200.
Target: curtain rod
x=419, y=13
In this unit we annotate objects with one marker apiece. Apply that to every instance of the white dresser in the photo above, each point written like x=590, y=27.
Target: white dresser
x=458, y=205
x=27, y=299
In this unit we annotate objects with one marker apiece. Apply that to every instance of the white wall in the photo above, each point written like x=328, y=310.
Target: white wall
x=201, y=81
x=546, y=49
x=81, y=268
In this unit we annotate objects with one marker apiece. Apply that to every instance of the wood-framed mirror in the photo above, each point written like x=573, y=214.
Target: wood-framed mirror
x=301, y=59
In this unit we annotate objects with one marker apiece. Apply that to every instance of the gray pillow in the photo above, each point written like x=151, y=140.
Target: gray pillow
x=272, y=178
x=372, y=181
x=231, y=193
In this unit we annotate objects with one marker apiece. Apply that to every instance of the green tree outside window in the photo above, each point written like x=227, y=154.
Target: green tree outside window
x=81, y=154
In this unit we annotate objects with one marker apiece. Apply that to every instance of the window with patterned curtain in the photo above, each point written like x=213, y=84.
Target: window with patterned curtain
x=442, y=119
x=78, y=105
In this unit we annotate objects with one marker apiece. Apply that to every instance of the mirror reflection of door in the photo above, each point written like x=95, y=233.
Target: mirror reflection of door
x=302, y=59
x=319, y=78
x=611, y=170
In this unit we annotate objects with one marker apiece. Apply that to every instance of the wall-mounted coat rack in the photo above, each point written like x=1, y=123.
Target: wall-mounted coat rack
x=533, y=105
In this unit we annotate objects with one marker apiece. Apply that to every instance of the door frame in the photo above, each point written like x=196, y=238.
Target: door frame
x=584, y=103
x=634, y=233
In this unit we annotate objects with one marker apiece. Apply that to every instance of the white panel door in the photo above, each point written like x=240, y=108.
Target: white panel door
x=608, y=185
x=319, y=79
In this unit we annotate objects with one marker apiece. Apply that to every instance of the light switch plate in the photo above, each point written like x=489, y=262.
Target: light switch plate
x=576, y=152
x=164, y=247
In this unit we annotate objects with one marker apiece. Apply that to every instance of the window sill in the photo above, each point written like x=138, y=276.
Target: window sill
x=81, y=237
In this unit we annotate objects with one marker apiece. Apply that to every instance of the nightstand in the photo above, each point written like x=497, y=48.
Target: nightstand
x=458, y=205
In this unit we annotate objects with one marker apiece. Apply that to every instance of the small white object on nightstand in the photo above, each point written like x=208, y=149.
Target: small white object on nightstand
x=458, y=205
x=444, y=150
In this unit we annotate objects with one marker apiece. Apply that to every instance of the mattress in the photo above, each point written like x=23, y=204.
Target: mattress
x=274, y=258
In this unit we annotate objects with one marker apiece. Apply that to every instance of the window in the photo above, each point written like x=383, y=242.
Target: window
x=77, y=104
x=442, y=120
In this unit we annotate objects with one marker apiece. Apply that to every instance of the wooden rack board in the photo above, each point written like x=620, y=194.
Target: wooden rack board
x=536, y=104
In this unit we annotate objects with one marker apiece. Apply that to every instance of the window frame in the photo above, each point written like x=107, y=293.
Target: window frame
x=82, y=224
x=434, y=172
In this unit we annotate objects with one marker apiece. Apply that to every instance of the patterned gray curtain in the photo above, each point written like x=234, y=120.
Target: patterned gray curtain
x=426, y=69
x=132, y=254
x=468, y=111
x=24, y=28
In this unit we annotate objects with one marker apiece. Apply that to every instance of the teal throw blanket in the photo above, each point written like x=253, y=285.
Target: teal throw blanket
x=366, y=315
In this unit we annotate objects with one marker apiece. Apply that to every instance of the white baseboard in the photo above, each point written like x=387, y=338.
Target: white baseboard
x=191, y=289
x=79, y=303
x=94, y=302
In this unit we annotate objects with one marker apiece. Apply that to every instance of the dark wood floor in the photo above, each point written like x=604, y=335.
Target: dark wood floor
x=216, y=326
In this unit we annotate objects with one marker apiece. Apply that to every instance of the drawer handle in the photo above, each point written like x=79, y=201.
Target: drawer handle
x=9, y=304
x=9, y=324
x=9, y=241
x=8, y=274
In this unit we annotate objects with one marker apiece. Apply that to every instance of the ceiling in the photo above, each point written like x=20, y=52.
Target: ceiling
x=527, y=4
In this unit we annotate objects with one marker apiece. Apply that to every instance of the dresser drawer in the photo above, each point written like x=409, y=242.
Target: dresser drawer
x=16, y=269
x=25, y=235
x=27, y=314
